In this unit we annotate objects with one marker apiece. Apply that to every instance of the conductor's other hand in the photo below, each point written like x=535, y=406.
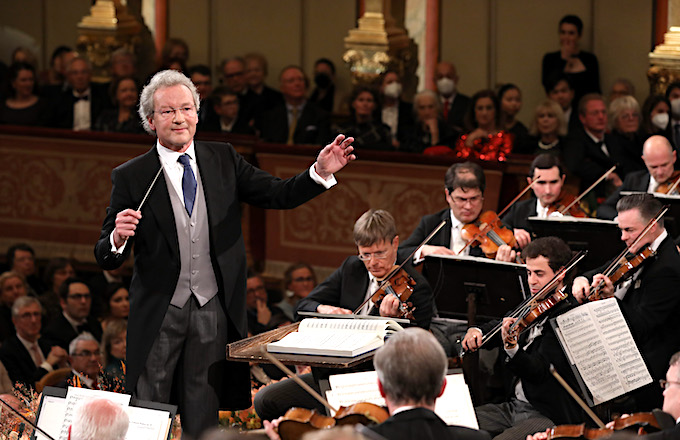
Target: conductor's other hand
x=334, y=156
x=472, y=339
x=126, y=225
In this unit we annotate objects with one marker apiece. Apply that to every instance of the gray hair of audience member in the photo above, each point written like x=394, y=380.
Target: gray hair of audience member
x=675, y=360
x=260, y=59
x=554, y=109
x=79, y=58
x=423, y=94
x=374, y=226
x=9, y=275
x=162, y=80
x=229, y=60
x=84, y=336
x=99, y=419
x=630, y=88
x=466, y=175
x=336, y=433
x=113, y=330
x=620, y=105
x=122, y=52
x=645, y=204
x=22, y=302
x=416, y=378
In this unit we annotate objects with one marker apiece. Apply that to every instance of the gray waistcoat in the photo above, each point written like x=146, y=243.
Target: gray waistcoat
x=196, y=274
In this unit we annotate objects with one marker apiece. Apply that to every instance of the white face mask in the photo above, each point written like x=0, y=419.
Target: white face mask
x=446, y=86
x=675, y=107
x=392, y=90
x=660, y=120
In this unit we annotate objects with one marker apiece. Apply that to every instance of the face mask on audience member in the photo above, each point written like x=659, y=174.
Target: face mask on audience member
x=675, y=107
x=660, y=120
x=322, y=80
x=393, y=90
x=446, y=86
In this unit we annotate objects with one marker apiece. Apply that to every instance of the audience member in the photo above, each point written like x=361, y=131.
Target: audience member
x=24, y=55
x=580, y=66
x=75, y=301
x=116, y=303
x=323, y=94
x=656, y=117
x=57, y=271
x=624, y=125
x=175, y=48
x=23, y=106
x=226, y=106
x=299, y=280
x=114, y=345
x=510, y=98
x=261, y=316
x=55, y=75
x=99, y=419
x=298, y=121
x=83, y=356
x=454, y=106
x=547, y=130
x=561, y=91
x=367, y=130
x=123, y=63
x=99, y=285
x=26, y=355
x=201, y=76
x=21, y=259
x=260, y=95
x=12, y=287
x=429, y=129
x=485, y=139
x=621, y=87
x=673, y=96
x=123, y=118
x=175, y=63
x=79, y=106
x=233, y=75
x=393, y=111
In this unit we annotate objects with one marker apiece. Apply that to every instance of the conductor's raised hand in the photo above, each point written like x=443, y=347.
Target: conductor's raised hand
x=334, y=156
x=126, y=225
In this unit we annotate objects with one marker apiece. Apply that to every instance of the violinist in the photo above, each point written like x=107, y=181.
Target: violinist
x=375, y=234
x=548, y=190
x=659, y=158
x=464, y=185
x=649, y=300
x=538, y=401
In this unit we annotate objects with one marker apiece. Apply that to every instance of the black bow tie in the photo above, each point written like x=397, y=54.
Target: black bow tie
x=82, y=328
x=81, y=98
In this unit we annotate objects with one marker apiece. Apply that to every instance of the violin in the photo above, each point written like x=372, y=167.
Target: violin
x=298, y=421
x=531, y=316
x=643, y=423
x=624, y=269
x=400, y=284
x=488, y=233
x=671, y=185
x=568, y=205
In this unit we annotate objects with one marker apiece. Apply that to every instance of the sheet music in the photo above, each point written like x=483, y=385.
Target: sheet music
x=598, y=341
x=147, y=424
x=454, y=406
x=51, y=416
x=75, y=396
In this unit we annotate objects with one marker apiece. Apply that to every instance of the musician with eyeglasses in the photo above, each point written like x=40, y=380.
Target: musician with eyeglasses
x=188, y=290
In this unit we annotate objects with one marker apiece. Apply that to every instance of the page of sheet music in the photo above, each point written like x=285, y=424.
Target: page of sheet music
x=454, y=406
x=51, y=416
x=147, y=424
x=75, y=396
x=601, y=346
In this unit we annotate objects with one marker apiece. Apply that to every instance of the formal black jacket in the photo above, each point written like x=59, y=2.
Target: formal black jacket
x=268, y=99
x=636, y=181
x=62, y=107
x=667, y=434
x=518, y=214
x=240, y=126
x=347, y=286
x=228, y=180
x=456, y=116
x=313, y=125
x=584, y=82
x=651, y=308
x=423, y=424
x=405, y=118
x=19, y=363
x=60, y=332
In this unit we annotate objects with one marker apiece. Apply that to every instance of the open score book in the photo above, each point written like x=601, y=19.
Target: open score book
x=335, y=337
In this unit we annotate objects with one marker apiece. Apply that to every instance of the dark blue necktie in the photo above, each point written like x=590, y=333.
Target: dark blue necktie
x=188, y=183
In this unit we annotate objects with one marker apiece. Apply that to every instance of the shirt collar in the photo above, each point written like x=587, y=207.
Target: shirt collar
x=656, y=243
x=169, y=157
x=84, y=379
x=403, y=408
x=592, y=136
x=73, y=322
x=28, y=344
x=454, y=221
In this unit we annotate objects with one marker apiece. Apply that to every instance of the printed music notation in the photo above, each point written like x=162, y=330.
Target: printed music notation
x=597, y=340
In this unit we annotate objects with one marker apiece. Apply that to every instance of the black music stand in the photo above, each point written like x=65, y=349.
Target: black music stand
x=672, y=217
x=601, y=238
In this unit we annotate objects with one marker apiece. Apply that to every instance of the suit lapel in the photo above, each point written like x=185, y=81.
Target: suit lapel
x=446, y=229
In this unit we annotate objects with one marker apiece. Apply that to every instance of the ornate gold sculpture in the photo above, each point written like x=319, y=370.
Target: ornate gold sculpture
x=665, y=62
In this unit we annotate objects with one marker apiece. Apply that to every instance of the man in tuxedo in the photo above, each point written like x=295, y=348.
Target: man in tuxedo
x=464, y=185
x=659, y=158
x=454, y=105
x=189, y=281
x=84, y=357
x=297, y=120
x=649, y=300
x=76, y=301
x=550, y=175
x=26, y=355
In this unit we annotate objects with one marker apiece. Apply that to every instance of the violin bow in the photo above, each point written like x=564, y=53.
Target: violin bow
x=583, y=194
x=512, y=202
x=576, y=397
x=623, y=253
x=403, y=263
x=674, y=186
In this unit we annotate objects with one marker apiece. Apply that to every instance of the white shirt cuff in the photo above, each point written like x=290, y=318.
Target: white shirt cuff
x=114, y=249
x=47, y=366
x=320, y=180
x=512, y=351
x=417, y=259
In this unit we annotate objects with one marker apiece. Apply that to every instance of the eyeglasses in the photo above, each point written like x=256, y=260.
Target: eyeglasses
x=377, y=255
x=667, y=383
x=29, y=315
x=461, y=201
x=256, y=289
x=79, y=296
x=303, y=279
x=168, y=113
x=87, y=354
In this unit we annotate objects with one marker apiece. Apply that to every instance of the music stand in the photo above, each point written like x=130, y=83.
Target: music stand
x=601, y=238
x=672, y=217
x=471, y=288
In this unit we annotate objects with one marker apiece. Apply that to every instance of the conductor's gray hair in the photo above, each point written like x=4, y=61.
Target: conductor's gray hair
x=161, y=80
